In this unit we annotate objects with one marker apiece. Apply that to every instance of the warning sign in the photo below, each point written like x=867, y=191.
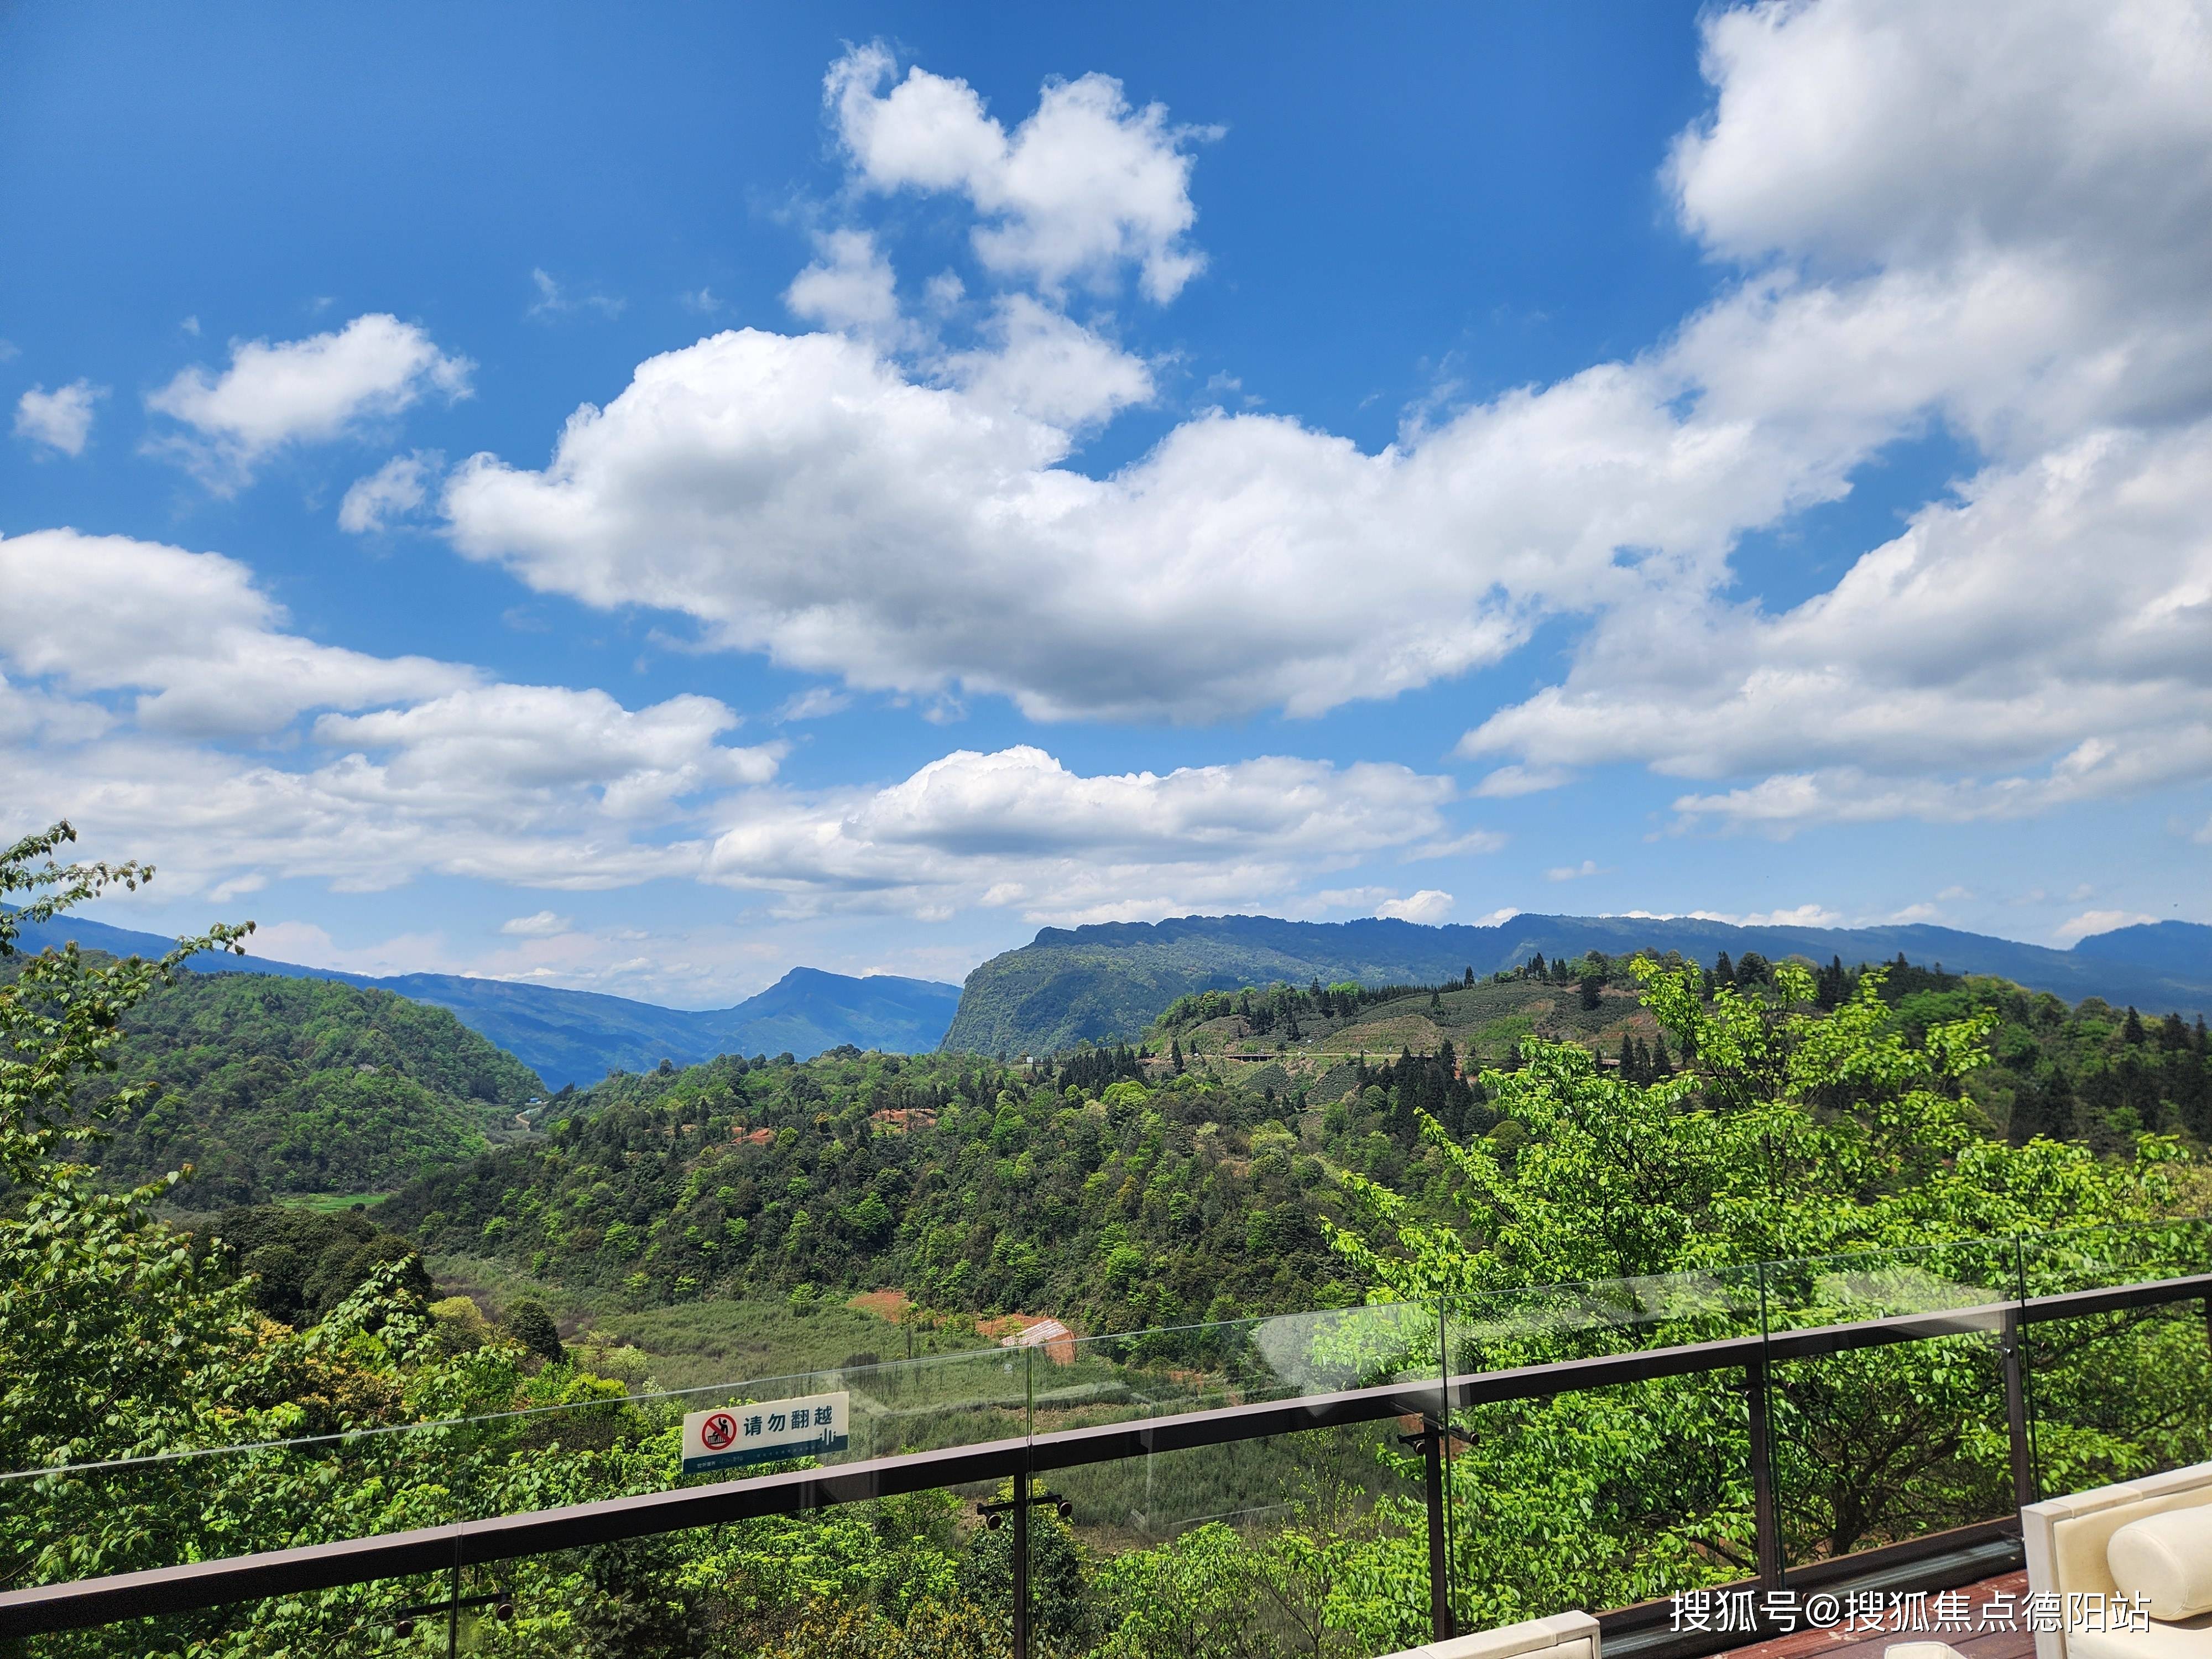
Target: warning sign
x=731, y=1436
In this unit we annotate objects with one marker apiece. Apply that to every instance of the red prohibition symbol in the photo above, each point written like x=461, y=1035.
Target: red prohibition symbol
x=717, y=1432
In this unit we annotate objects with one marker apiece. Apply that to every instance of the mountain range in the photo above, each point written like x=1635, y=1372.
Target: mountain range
x=578, y=1037
x=1108, y=980
x=1096, y=983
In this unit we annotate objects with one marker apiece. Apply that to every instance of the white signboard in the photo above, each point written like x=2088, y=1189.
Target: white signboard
x=730, y=1437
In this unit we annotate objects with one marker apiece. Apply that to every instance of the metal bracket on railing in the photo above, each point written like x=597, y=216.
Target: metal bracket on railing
x=994, y=1516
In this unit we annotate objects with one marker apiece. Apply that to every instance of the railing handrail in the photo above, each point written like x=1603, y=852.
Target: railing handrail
x=80, y=1603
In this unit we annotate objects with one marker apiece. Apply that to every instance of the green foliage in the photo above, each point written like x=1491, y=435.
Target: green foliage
x=304, y=1262
x=977, y=1188
x=268, y=1085
x=1796, y=1134
x=530, y=1323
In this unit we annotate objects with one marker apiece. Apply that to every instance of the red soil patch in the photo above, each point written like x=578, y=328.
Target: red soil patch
x=884, y=1304
x=755, y=1138
x=1060, y=1346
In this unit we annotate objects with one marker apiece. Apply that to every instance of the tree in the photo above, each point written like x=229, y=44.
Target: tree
x=530, y=1323
x=1796, y=1136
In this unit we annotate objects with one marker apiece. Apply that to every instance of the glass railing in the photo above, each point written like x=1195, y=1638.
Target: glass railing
x=1269, y=1508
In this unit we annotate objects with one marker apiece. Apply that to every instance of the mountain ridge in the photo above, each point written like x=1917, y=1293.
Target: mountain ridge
x=578, y=1037
x=1107, y=980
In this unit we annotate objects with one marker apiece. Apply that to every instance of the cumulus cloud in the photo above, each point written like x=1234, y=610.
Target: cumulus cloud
x=313, y=391
x=2000, y=223
x=508, y=746
x=1016, y=829
x=1083, y=186
x=1428, y=907
x=808, y=498
x=125, y=707
x=394, y=490
x=60, y=421
x=851, y=286
x=1573, y=872
x=2044, y=637
x=203, y=648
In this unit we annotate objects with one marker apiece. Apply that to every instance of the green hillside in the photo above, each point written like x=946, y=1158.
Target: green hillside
x=1187, y=1177
x=273, y=1086
x=1105, y=983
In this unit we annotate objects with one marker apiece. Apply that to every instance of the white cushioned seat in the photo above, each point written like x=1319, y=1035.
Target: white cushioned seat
x=1562, y=1635
x=2188, y=1638
x=2167, y=1558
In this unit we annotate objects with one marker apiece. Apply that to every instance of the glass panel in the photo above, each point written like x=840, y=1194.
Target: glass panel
x=2117, y=1396
x=1255, y=1547
x=1636, y=1489
x=2094, y=1258
x=1873, y=1445
x=1143, y=1374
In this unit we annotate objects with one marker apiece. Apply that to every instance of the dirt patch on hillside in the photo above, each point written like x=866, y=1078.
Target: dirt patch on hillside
x=884, y=1304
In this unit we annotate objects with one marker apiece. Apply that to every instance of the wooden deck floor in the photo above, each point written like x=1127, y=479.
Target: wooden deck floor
x=1974, y=1642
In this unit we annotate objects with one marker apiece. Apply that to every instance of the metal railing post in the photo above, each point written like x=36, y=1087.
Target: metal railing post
x=1021, y=1565
x=2015, y=1391
x=1432, y=1459
x=1766, y=1524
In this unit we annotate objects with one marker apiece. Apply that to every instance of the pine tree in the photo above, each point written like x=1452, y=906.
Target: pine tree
x=1625, y=1059
x=1175, y=1055
x=1724, y=970
x=1536, y=966
x=2132, y=1031
x=1662, y=1063
x=1468, y=977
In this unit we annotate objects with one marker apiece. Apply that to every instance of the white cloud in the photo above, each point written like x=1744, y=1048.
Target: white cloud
x=60, y=420
x=1041, y=364
x=190, y=633
x=2046, y=637
x=1016, y=830
x=2002, y=222
x=392, y=491
x=1428, y=907
x=311, y=390
x=1082, y=188
x=1574, y=872
x=554, y=299
x=511, y=746
x=544, y=924
x=813, y=704
x=805, y=497
x=850, y=287
x=2080, y=928
x=123, y=711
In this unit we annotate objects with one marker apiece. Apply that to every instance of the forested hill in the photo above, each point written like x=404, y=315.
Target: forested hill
x=273, y=1086
x=1116, y=1188
x=1103, y=982
x=580, y=1037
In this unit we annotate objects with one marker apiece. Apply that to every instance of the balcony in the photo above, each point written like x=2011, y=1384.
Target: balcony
x=1733, y=1459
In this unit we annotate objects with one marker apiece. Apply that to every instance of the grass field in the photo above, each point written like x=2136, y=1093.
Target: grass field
x=692, y=1344
x=325, y=1203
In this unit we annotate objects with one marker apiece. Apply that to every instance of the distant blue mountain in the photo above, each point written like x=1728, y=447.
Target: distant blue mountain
x=1073, y=984
x=578, y=1037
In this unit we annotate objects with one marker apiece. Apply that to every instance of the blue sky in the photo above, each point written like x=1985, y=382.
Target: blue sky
x=640, y=501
